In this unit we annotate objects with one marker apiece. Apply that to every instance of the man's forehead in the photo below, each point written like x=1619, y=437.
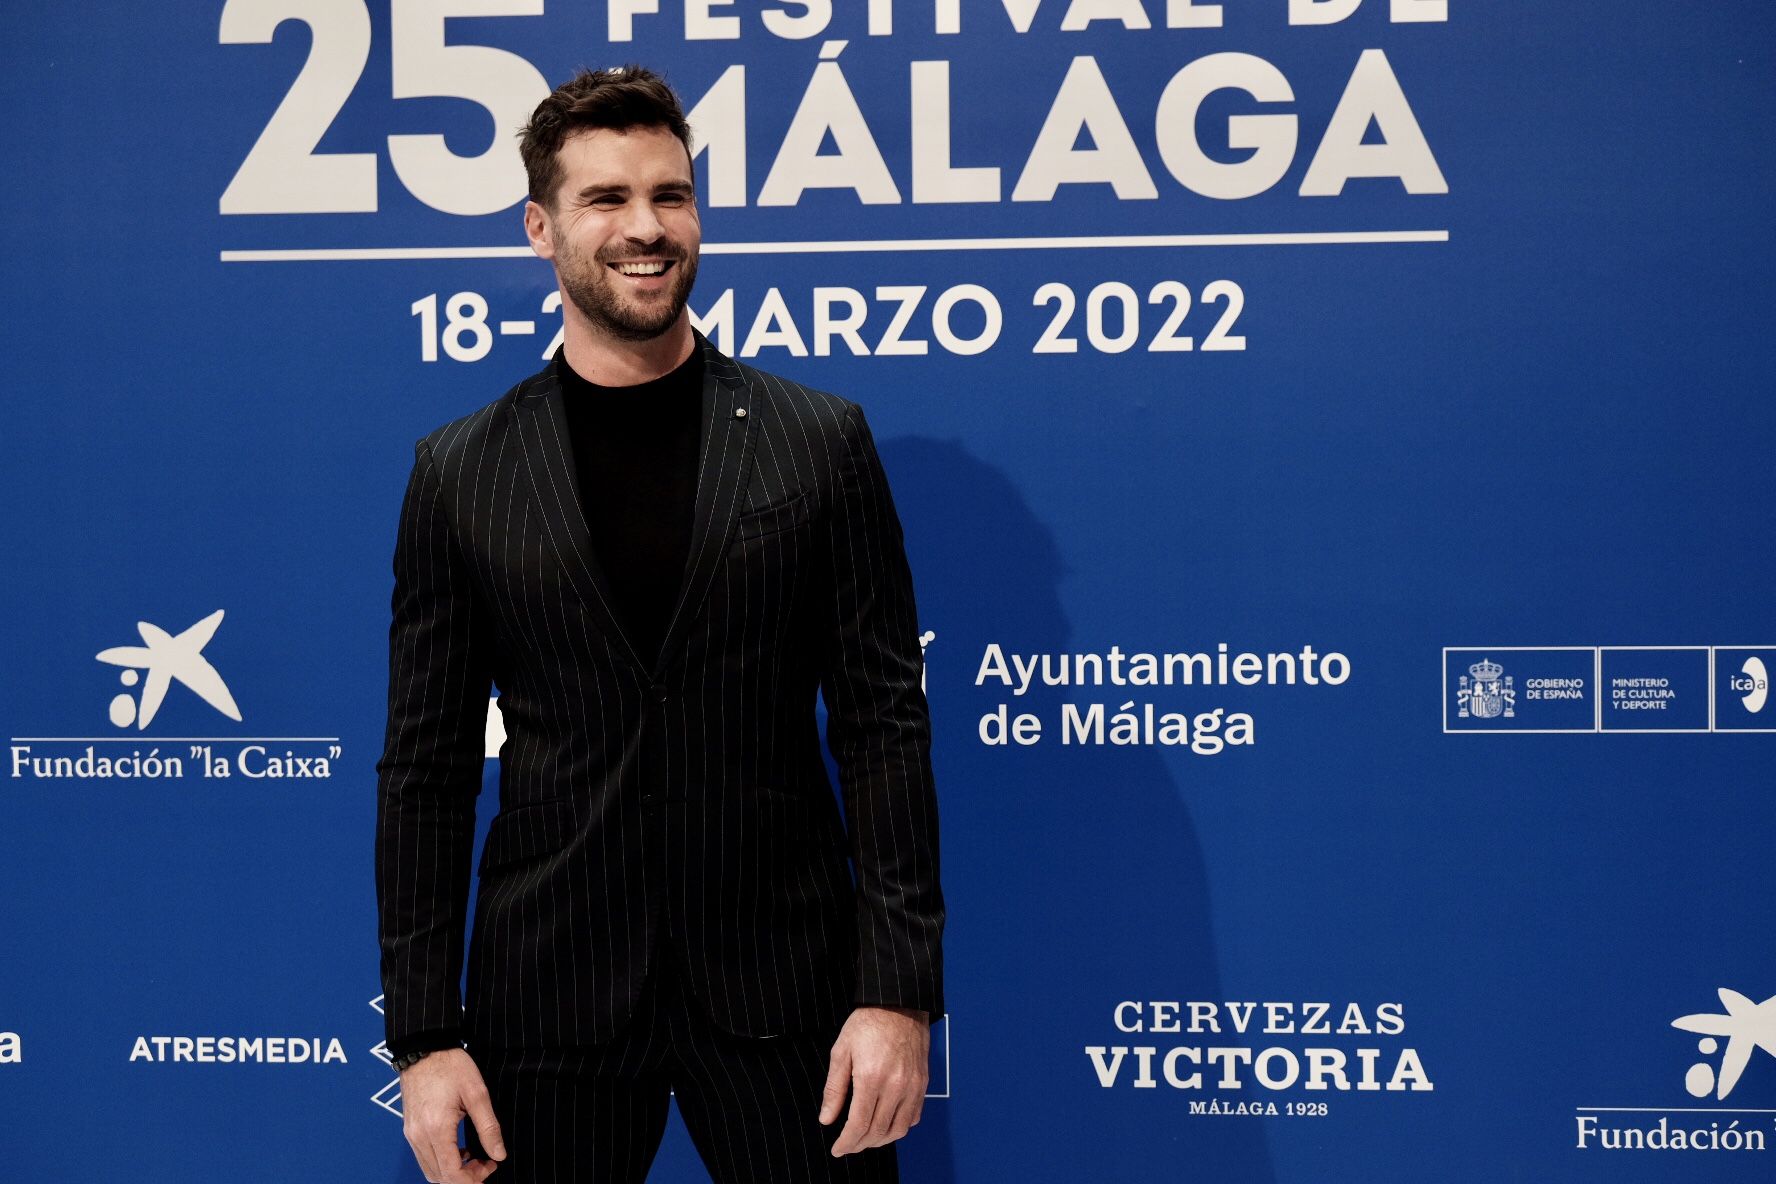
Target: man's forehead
x=601, y=149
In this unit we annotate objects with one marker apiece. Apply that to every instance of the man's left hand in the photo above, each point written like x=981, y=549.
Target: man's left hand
x=883, y=1055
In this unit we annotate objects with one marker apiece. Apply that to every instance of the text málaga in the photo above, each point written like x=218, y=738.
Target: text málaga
x=1145, y=724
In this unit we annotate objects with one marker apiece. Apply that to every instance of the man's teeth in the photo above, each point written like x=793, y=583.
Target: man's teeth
x=641, y=268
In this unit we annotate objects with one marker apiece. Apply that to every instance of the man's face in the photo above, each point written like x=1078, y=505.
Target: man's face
x=623, y=232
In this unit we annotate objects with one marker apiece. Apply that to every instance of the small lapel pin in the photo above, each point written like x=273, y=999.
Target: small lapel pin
x=739, y=413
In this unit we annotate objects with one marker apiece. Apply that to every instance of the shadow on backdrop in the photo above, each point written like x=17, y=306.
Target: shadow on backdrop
x=1073, y=875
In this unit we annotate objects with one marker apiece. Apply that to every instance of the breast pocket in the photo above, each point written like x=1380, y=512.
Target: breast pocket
x=773, y=519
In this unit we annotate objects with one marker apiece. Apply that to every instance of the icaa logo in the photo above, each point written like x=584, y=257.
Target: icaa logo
x=1752, y=683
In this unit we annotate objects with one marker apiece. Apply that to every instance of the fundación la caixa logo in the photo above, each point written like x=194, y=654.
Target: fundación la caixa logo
x=167, y=657
x=169, y=667
x=1747, y=1029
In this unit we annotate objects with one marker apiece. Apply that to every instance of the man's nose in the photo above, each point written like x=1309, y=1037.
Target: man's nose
x=640, y=224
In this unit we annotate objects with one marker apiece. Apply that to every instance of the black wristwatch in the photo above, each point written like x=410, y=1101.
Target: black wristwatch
x=403, y=1063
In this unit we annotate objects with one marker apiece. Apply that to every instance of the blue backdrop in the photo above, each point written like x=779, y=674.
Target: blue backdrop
x=1475, y=404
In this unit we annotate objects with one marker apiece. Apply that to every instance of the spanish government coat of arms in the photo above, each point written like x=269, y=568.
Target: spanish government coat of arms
x=1485, y=692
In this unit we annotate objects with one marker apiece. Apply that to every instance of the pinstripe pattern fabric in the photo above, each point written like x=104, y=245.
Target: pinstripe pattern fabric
x=656, y=804
x=571, y=1115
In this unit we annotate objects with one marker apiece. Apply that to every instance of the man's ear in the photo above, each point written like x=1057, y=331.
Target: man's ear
x=536, y=228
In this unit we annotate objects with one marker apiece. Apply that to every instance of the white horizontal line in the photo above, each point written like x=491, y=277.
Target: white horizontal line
x=345, y=254
x=1283, y=239
x=1675, y=1109
x=178, y=739
x=846, y=246
x=1575, y=649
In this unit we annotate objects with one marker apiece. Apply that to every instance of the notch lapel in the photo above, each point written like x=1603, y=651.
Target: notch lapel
x=555, y=492
x=726, y=444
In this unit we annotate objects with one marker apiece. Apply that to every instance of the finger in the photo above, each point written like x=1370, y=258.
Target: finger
x=448, y=1157
x=910, y=1105
x=863, y=1109
x=918, y=1098
x=480, y=1111
x=885, y=1125
x=475, y=1169
x=838, y=1076
x=422, y=1152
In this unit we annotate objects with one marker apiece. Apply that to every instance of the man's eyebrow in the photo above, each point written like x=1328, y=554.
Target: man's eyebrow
x=620, y=189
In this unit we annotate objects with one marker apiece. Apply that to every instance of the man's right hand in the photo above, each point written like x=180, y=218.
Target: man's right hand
x=436, y=1094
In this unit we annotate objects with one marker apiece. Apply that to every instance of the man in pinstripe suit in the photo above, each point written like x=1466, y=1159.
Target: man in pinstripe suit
x=669, y=899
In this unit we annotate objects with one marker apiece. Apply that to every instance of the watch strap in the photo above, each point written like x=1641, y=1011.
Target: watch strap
x=402, y=1063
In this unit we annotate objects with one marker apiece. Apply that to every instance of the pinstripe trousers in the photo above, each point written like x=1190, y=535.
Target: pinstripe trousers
x=596, y=1114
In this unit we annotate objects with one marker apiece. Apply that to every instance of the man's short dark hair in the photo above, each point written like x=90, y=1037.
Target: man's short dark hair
x=619, y=98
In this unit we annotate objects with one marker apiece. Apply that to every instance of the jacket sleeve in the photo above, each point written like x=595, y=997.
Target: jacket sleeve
x=879, y=730
x=430, y=771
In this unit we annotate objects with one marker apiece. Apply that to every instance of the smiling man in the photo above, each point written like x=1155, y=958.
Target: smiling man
x=660, y=556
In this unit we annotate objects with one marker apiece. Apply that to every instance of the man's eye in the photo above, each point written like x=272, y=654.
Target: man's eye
x=607, y=199
x=672, y=199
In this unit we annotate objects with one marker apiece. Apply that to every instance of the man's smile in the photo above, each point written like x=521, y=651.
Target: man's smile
x=642, y=268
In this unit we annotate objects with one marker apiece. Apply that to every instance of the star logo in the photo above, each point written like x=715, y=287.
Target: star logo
x=1746, y=1025
x=167, y=658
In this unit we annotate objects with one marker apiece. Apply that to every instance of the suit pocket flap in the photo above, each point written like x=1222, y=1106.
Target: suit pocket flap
x=799, y=815
x=773, y=518
x=525, y=832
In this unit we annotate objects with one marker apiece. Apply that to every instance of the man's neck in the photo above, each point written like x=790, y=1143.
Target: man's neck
x=604, y=360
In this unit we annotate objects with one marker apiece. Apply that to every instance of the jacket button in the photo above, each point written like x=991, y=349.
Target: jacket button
x=660, y=695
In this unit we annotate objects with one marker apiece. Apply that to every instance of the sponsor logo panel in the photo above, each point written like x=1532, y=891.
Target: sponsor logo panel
x=1513, y=689
x=1276, y=1058
x=1659, y=689
x=1742, y=700
x=168, y=665
x=1733, y=1058
x=1654, y=688
x=238, y=1050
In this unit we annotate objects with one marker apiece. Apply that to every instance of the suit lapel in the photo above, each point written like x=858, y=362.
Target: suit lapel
x=725, y=444
x=555, y=491
x=725, y=448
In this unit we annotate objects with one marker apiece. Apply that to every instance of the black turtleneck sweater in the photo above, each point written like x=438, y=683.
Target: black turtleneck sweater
x=635, y=461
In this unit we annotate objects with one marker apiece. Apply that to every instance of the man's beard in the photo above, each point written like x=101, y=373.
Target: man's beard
x=593, y=290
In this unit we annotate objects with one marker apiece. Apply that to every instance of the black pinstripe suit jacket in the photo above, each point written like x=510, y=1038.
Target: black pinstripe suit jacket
x=656, y=807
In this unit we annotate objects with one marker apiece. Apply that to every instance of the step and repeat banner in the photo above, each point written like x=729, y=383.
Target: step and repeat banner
x=1333, y=439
